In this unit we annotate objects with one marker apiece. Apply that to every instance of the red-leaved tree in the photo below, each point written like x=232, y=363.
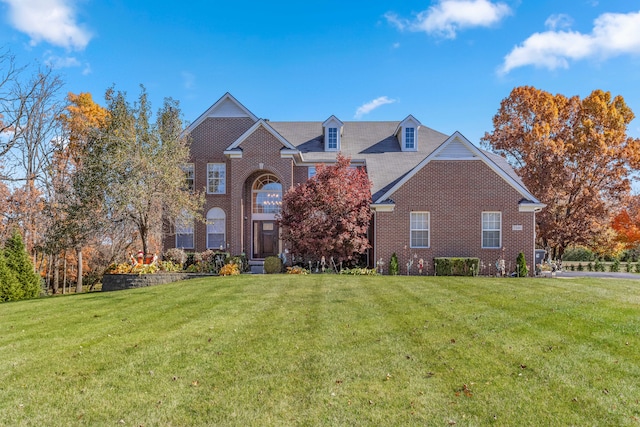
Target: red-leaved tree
x=329, y=214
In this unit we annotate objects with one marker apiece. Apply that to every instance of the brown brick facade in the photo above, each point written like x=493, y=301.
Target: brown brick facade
x=455, y=193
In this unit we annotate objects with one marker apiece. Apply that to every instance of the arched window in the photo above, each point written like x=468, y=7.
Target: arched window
x=267, y=195
x=216, y=228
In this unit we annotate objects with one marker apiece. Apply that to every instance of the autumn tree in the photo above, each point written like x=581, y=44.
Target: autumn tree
x=133, y=166
x=74, y=222
x=626, y=222
x=573, y=154
x=329, y=214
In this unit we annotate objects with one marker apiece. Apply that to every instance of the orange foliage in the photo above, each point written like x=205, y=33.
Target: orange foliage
x=573, y=154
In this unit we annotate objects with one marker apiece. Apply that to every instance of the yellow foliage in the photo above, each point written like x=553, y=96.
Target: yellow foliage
x=229, y=270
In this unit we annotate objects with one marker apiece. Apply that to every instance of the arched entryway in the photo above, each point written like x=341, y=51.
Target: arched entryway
x=266, y=202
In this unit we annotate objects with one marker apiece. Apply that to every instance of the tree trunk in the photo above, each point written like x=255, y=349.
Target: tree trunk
x=79, y=281
x=64, y=272
x=55, y=275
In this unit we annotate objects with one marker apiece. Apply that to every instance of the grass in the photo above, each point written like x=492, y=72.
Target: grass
x=327, y=350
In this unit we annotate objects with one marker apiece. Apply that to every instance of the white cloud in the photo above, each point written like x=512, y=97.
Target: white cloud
x=52, y=21
x=555, y=22
x=613, y=34
x=56, y=62
x=372, y=105
x=447, y=17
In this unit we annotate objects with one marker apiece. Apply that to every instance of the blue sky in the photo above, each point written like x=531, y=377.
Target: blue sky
x=447, y=62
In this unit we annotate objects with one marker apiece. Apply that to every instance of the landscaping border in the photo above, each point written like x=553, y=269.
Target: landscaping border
x=118, y=282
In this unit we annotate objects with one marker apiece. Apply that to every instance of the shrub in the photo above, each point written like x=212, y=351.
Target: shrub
x=242, y=261
x=175, y=255
x=628, y=267
x=615, y=266
x=590, y=267
x=521, y=266
x=572, y=267
x=393, y=265
x=598, y=265
x=296, y=269
x=577, y=254
x=637, y=267
x=580, y=267
x=456, y=266
x=229, y=270
x=272, y=265
x=169, y=266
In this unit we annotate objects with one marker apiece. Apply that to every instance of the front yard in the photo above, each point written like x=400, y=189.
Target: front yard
x=327, y=350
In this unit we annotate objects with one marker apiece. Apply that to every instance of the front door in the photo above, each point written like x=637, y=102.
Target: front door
x=265, y=239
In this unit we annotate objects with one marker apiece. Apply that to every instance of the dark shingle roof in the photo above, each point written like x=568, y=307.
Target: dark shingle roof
x=373, y=142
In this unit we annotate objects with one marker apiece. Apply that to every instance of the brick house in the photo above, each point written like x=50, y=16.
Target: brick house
x=433, y=194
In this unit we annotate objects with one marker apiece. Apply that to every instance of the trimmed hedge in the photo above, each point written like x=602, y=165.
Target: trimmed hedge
x=450, y=266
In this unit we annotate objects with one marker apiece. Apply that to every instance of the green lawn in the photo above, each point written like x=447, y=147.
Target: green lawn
x=327, y=350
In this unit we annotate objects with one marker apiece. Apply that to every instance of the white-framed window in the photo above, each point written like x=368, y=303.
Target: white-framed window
x=491, y=230
x=267, y=195
x=216, y=229
x=410, y=138
x=189, y=176
x=184, y=231
x=312, y=172
x=420, y=229
x=332, y=138
x=216, y=178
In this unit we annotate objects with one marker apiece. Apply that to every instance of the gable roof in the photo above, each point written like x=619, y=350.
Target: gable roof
x=457, y=147
x=234, y=148
x=226, y=106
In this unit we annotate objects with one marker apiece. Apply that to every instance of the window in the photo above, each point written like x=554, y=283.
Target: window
x=189, y=176
x=216, y=228
x=184, y=231
x=491, y=230
x=419, y=229
x=332, y=138
x=409, y=138
x=267, y=195
x=216, y=178
x=312, y=172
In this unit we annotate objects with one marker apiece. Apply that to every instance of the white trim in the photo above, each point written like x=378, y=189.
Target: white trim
x=224, y=165
x=480, y=156
x=482, y=230
x=262, y=123
x=428, y=229
x=224, y=229
x=211, y=111
x=383, y=207
x=530, y=207
x=233, y=154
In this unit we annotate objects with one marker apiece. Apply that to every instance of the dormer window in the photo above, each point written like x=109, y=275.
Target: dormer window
x=332, y=139
x=409, y=139
x=407, y=134
x=332, y=130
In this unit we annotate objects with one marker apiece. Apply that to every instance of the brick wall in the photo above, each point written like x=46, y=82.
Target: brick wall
x=455, y=193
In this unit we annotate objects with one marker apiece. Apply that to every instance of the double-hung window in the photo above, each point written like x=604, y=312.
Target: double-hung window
x=409, y=138
x=216, y=178
x=216, y=227
x=419, y=229
x=184, y=231
x=189, y=176
x=491, y=230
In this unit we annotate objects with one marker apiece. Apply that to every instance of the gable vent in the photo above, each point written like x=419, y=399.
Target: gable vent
x=456, y=150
